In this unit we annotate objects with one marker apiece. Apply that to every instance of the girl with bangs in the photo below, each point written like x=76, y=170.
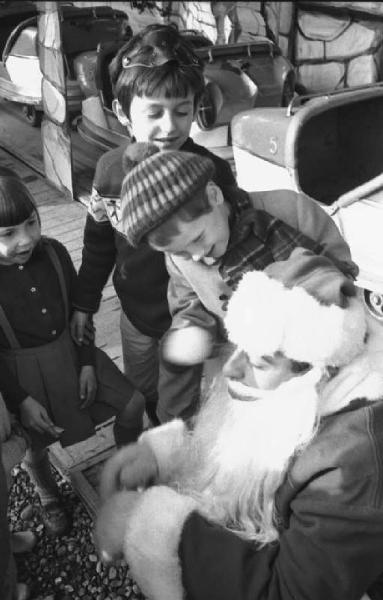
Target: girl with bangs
x=59, y=391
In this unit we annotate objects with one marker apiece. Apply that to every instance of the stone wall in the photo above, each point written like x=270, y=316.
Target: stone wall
x=338, y=44
x=332, y=44
x=192, y=15
x=137, y=18
x=280, y=21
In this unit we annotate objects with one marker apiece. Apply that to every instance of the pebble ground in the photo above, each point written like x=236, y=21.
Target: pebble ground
x=65, y=568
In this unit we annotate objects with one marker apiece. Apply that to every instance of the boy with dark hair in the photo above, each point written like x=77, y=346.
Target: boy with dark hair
x=157, y=81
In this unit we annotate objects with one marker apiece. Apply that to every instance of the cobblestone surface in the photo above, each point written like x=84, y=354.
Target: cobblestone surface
x=65, y=568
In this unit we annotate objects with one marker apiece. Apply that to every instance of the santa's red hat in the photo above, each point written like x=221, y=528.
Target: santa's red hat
x=303, y=307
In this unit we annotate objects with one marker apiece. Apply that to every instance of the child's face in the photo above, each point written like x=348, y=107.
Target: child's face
x=17, y=242
x=260, y=372
x=165, y=122
x=205, y=238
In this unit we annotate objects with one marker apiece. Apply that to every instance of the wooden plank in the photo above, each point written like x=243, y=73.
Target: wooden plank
x=84, y=454
x=18, y=138
x=82, y=463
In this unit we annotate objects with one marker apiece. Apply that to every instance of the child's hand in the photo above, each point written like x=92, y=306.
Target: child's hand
x=81, y=328
x=34, y=416
x=188, y=346
x=88, y=385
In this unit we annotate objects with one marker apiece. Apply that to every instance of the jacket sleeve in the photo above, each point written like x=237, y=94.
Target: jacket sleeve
x=303, y=213
x=185, y=307
x=330, y=551
x=98, y=257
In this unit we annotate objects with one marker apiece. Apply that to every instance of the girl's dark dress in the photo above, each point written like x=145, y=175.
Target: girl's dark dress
x=37, y=355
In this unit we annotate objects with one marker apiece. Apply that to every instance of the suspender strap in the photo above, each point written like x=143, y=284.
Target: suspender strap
x=8, y=331
x=60, y=274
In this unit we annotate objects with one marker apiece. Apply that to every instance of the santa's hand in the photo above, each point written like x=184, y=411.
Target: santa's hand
x=131, y=468
x=188, y=346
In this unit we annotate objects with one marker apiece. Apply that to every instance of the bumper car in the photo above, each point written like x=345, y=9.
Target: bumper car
x=238, y=76
x=82, y=30
x=329, y=146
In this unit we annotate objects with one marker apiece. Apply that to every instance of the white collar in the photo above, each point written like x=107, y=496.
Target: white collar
x=358, y=379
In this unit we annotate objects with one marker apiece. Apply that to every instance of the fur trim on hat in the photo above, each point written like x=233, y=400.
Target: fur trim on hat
x=264, y=317
x=153, y=536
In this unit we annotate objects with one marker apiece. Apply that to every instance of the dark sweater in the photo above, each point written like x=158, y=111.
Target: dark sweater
x=140, y=277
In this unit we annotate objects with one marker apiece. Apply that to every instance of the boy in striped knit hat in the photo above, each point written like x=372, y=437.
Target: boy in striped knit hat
x=211, y=236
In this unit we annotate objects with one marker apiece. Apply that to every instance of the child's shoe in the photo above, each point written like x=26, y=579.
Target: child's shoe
x=126, y=435
x=56, y=520
x=23, y=541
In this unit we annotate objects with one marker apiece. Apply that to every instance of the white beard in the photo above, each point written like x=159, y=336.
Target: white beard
x=239, y=451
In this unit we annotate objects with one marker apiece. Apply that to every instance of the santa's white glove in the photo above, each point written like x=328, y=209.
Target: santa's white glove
x=131, y=468
x=187, y=346
x=152, y=538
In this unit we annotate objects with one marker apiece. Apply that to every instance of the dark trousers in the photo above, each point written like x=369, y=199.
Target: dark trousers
x=175, y=392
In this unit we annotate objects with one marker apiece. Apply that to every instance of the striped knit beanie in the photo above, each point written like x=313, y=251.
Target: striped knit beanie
x=157, y=184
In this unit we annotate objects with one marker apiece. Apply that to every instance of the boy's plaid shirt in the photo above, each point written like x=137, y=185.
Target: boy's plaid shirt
x=258, y=239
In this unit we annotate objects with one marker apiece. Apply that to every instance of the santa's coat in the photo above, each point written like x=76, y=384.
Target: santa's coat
x=330, y=505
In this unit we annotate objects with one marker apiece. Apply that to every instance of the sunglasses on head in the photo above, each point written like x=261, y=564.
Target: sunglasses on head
x=158, y=55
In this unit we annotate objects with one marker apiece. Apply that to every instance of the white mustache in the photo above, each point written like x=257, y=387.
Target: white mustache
x=240, y=391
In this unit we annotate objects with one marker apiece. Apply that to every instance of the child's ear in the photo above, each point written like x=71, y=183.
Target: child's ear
x=214, y=194
x=121, y=116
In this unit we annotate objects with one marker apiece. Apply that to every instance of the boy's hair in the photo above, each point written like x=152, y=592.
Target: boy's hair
x=164, y=233
x=16, y=202
x=156, y=60
x=193, y=209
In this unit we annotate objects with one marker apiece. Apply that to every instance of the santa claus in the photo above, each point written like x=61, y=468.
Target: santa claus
x=277, y=492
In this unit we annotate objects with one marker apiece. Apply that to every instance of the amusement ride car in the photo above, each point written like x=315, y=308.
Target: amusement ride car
x=82, y=29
